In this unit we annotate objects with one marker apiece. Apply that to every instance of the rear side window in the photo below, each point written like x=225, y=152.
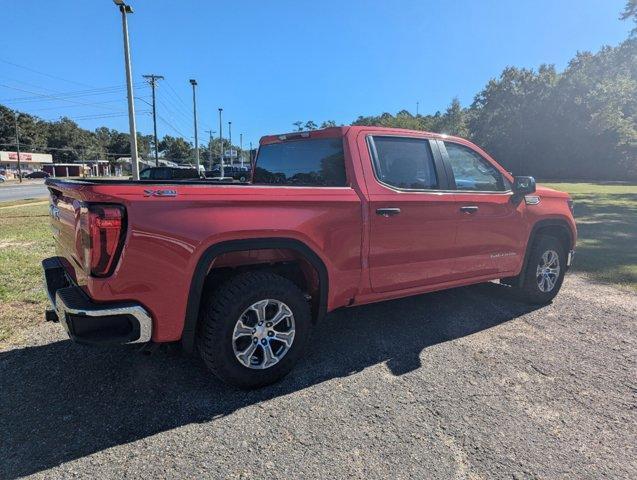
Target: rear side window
x=314, y=162
x=472, y=172
x=404, y=163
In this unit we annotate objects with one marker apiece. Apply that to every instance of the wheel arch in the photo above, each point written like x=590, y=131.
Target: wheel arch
x=207, y=258
x=555, y=227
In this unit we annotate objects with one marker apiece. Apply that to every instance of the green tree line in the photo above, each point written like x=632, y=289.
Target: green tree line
x=577, y=124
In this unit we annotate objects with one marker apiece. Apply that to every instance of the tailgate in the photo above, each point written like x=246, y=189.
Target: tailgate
x=64, y=211
x=88, y=231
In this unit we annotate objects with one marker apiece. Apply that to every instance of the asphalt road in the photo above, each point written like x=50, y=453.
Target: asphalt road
x=466, y=383
x=30, y=189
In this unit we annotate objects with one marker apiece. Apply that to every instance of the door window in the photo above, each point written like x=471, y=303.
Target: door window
x=405, y=163
x=472, y=172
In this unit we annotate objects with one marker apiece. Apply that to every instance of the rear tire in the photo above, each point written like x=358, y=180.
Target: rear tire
x=544, y=272
x=253, y=329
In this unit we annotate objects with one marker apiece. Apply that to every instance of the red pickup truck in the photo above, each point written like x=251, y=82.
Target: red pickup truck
x=240, y=273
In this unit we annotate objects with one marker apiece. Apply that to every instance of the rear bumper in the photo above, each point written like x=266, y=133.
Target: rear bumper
x=88, y=322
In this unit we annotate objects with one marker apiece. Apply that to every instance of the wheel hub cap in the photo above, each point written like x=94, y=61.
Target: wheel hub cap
x=263, y=334
x=548, y=271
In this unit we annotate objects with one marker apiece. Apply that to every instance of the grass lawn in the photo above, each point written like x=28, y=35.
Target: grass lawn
x=25, y=239
x=606, y=251
x=606, y=216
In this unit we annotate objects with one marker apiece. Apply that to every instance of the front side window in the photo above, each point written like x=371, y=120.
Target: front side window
x=472, y=172
x=145, y=174
x=312, y=162
x=404, y=163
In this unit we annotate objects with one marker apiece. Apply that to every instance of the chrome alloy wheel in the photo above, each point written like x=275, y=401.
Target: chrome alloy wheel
x=264, y=334
x=548, y=271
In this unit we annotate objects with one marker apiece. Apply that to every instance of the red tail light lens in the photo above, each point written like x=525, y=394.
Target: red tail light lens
x=104, y=228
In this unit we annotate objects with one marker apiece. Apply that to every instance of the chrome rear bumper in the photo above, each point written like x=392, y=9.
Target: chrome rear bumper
x=88, y=322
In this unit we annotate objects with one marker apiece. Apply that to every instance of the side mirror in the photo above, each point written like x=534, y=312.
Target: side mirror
x=523, y=185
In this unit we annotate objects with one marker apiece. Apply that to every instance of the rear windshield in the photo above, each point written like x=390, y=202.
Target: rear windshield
x=314, y=162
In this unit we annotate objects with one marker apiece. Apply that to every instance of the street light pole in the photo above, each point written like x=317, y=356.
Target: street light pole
x=193, y=82
x=210, y=132
x=230, y=141
x=221, y=142
x=125, y=9
x=17, y=145
x=152, y=79
x=241, y=148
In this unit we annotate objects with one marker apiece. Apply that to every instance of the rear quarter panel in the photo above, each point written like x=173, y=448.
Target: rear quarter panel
x=166, y=237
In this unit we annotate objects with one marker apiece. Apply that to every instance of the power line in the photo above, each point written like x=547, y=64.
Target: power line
x=44, y=95
x=63, y=95
x=178, y=120
x=44, y=74
x=171, y=126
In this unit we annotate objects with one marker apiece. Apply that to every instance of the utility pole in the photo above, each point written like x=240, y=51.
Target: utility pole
x=17, y=145
x=417, y=107
x=230, y=141
x=221, y=142
x=125, y=9
x=210, y=132
x=193, y=82
x=250, y=155
x=241, y=148
x=152, y=80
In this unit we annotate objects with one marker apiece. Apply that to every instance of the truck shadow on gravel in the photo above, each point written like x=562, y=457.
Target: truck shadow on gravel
x=62, y=401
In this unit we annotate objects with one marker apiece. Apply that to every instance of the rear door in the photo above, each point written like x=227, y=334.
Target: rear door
x=412, y=222
x=490, y=237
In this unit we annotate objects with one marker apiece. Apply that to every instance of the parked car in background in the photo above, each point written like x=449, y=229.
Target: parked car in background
x=37, y=174
x=237, y=172
x=241, y=273
x=168, y=173
x=2, y=179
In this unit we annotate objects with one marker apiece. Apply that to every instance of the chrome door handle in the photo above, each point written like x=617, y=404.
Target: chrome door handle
x=469, y=209
x=387, y=212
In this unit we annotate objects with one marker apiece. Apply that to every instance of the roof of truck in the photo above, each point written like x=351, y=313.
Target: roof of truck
x=341, y=131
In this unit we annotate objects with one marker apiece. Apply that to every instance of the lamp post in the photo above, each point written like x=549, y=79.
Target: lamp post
x=193, y=82
x=241, y=148
x=221, y=142
x=126, y=9
x=230, y=142
x=17, y=144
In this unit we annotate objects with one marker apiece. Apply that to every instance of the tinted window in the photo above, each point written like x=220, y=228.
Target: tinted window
x=471, y=171
x=184, y=173
x=145, y=174
x=318, y=162
x=405, y=163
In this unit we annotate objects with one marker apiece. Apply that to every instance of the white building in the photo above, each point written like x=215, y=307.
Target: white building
x=28, y=161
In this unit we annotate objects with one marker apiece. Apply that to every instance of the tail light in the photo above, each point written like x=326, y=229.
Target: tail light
x=103, y=228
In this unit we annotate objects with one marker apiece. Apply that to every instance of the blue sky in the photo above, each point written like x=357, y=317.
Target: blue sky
x=271, y=63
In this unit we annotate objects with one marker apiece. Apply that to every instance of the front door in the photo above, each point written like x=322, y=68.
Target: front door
x=490, y=237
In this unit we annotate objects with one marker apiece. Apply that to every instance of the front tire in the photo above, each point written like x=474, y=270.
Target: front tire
x=253, y=329
x=544, y=272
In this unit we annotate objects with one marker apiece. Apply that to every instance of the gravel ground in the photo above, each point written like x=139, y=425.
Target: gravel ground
x=465, y=383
